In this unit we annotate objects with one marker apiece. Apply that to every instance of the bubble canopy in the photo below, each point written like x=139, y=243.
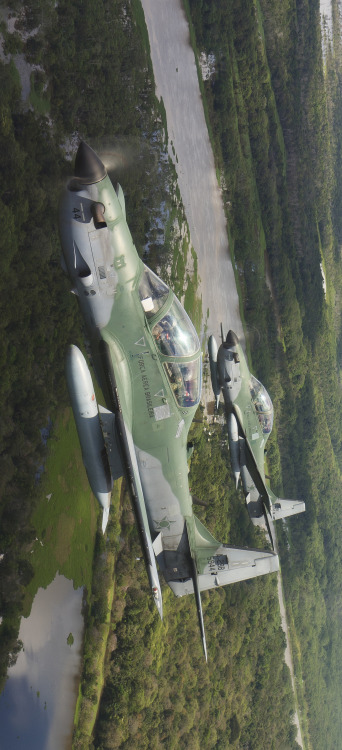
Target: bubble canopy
x=175, y=337
x=153, y=292
x=262, y=404
x=185, y=381
x=174, y=333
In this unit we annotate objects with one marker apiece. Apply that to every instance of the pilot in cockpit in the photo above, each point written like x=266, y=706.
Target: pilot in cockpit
x=165, y=336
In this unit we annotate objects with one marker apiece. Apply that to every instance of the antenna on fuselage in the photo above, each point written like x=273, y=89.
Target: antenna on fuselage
x=199, y=607
x=222, y=337
x=268, y=527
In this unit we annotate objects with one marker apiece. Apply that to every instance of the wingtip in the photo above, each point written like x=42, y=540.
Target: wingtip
x=158, y=600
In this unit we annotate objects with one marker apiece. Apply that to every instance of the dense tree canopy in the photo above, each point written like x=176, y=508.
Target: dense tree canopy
x=275, y=117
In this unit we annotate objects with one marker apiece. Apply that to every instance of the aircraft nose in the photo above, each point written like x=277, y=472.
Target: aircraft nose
x=232, y=339
x=88, y=166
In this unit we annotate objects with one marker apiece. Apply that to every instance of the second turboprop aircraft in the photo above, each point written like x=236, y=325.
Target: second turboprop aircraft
x=249, y=414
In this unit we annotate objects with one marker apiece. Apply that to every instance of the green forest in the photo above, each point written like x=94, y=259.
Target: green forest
x=274, y=109
x=38, y=315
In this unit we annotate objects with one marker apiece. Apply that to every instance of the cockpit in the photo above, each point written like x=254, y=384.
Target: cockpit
x=176, y=339
x=152, y=292
x=262, y=404
x=185, y=381
x=174, y=334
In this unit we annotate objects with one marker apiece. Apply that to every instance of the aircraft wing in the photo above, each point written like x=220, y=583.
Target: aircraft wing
x=277, y=507
x=121, y=435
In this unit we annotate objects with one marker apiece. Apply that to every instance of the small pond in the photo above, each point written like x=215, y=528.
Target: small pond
x=38, y=703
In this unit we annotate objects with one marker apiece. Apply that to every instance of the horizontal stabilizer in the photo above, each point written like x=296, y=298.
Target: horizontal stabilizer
x=220, y=564
x=230, y=565
x=283, y=508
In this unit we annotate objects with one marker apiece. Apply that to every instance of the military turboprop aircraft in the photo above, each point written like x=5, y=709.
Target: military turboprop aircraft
x=249, y=413
x=147, y=359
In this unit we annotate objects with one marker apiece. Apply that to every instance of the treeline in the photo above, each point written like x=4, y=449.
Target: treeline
x=37, y=318
x=275, y=117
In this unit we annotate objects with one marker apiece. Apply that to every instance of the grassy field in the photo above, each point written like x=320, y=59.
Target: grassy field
x=66, y=521
x=66, y=517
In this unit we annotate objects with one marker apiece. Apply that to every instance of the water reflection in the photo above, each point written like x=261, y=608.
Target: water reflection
x=38, y=703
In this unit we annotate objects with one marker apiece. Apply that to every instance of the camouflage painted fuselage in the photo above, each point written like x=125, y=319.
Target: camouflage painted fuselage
x=130, y=361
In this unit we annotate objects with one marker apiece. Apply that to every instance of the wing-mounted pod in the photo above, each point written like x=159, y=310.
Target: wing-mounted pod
x=84, y=406
x=234, y=447
x=212, y=350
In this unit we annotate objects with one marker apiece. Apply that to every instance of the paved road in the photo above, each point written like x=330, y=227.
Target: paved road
x=288, y=654
x=177, y=83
